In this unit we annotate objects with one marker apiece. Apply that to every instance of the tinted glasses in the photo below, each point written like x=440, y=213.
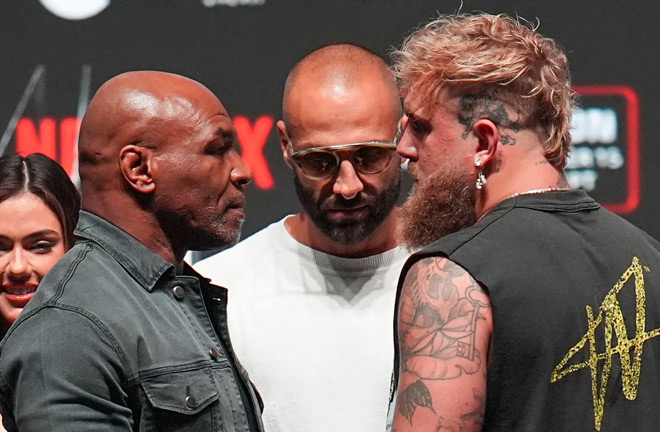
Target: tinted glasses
x=322, y=163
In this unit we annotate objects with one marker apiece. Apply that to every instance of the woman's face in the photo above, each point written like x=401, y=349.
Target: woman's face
x=31, y=242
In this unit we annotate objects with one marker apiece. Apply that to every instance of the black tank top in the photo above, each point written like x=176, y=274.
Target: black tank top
x=563, y=275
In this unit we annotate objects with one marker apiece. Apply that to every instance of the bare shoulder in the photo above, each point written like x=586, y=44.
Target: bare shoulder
x=445, y=325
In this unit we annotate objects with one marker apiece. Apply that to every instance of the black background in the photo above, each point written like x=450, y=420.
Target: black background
x=243, y=54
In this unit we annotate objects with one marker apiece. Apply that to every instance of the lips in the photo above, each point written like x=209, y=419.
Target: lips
x=236, y=203
x=347, y=209
x=19, y=295
x=237, y=212
x=344, y=214
x=235, y=207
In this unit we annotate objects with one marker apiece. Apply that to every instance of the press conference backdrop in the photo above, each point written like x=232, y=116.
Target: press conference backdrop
x=56, y=53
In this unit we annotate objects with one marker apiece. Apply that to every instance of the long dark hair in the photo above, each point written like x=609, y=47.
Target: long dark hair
x=39, y=175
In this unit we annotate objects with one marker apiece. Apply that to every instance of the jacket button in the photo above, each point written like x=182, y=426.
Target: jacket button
x=190, y=402
x=178, y=292
x=214, y=353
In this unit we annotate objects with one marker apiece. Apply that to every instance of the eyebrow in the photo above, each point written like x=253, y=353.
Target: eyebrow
x=227, y=134
x=36, y=234
x=414, y=117
x=226, y=131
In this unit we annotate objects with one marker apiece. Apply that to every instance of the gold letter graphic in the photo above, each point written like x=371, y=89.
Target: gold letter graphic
x=613, y=320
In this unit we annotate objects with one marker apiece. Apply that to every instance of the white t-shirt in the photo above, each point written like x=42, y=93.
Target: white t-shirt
x=313, y=330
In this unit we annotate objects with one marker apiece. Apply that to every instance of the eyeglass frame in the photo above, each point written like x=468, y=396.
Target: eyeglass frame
x=333, y=149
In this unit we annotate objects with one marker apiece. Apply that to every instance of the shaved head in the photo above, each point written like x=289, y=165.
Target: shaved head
x=337, y=71
x=157, y=158
x=337, y=95
x=129, y=108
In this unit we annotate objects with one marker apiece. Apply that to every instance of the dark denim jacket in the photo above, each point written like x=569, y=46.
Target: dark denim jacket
x=114, y=340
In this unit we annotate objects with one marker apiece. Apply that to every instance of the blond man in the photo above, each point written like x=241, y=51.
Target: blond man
x=531, y=307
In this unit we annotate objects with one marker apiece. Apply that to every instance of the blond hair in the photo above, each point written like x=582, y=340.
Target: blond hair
x=486, y=54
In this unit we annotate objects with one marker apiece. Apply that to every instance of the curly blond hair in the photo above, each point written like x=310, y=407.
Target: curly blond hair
x=487, y=54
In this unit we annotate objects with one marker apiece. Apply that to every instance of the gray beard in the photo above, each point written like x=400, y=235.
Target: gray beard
x=439, y=205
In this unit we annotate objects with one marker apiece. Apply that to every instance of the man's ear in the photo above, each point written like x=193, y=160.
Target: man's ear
x=488, y=135
x=135, y=164
x=284, y=142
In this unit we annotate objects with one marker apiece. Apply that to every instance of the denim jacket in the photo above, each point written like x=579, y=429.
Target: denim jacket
x=114, y=340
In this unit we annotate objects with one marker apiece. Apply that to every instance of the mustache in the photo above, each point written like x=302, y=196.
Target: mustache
x=338, y=202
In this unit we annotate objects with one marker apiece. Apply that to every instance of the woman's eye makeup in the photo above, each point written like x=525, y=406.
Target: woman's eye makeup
x=42, y=246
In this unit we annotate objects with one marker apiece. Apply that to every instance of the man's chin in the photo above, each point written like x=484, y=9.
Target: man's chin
x=437, y=207
x=346, y=232
x=221, y=238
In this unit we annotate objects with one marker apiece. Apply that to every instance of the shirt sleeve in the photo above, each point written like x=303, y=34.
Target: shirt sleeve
x=60, y=369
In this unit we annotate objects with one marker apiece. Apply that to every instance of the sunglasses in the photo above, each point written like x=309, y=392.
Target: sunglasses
x=322, y=163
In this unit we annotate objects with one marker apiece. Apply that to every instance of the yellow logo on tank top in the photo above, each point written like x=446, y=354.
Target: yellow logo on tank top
x=614, y=324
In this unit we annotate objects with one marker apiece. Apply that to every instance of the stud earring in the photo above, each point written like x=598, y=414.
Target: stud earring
x=481, y=178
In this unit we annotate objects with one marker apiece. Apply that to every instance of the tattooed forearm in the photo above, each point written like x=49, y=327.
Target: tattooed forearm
x=440, y=328
x=473, y=108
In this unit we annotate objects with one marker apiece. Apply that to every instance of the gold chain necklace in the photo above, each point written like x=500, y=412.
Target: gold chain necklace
x=538, y=191
x=530, y=192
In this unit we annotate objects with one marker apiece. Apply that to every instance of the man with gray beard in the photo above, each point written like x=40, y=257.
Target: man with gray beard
x=122, y=335
x=312, y=295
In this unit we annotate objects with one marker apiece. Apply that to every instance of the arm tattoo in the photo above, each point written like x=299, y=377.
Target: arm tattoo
x=439, y=313
x=473, y=108
x=476, y=416
x=415, y=395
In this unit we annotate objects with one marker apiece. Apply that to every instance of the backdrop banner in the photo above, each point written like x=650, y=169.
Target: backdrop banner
x=56, y=53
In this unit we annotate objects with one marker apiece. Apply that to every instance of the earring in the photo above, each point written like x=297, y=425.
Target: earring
x=481, y=178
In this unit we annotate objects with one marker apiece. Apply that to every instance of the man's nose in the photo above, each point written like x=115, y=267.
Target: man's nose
x=406, y=146
x=240, y=175
x=347, y=183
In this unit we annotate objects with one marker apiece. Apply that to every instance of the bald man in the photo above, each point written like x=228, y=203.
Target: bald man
x=313, y=294
x=122, y=335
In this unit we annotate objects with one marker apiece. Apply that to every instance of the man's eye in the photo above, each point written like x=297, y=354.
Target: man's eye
x=220, y=147
x=418, y=128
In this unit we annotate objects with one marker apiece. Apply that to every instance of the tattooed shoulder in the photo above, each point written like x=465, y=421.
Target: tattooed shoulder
x=441, y=333
x=441, y=299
